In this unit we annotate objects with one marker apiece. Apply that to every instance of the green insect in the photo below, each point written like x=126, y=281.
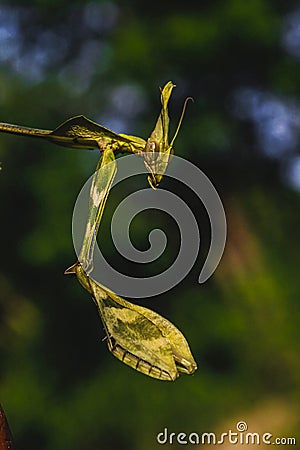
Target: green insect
x=137, y=336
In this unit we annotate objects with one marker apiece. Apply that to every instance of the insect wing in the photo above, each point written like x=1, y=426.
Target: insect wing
x=182, y=355
x=135, y=340
x=80, y=132
x=138, y=336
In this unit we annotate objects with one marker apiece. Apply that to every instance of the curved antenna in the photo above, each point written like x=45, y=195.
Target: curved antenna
x=181, y=119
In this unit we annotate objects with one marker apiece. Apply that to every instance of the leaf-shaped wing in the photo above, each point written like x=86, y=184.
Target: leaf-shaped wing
x=80, y=132
x=181, y=352
x=134, y=339
x=138, y=336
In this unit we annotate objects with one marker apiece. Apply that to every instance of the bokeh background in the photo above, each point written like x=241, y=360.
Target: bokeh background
x=240, y=61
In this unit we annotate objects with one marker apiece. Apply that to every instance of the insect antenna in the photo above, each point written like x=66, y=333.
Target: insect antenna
x=181, y=119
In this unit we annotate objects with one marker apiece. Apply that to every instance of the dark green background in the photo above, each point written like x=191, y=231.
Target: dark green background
x=239, y=60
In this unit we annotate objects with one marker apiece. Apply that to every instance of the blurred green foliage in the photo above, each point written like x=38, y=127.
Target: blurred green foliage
x=239, y=60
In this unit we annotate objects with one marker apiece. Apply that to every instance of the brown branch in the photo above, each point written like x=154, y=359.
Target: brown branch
x=6, y=442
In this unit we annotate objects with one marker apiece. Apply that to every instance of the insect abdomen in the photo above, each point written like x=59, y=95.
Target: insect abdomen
x=137, y=363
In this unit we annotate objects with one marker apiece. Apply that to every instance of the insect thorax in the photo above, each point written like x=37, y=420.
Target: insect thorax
x=152, y=146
